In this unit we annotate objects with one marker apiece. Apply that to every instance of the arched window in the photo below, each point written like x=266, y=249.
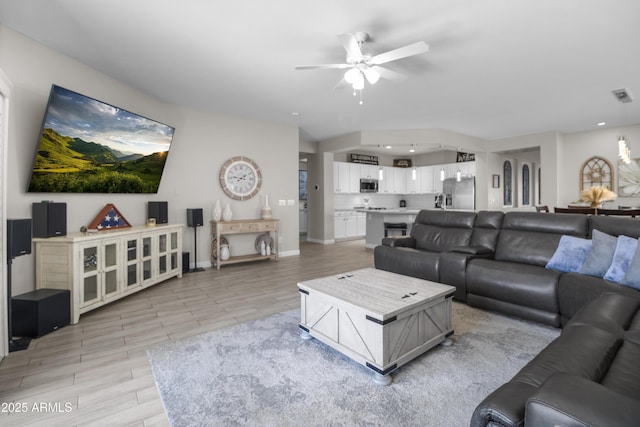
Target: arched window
x=507, y=193
x=539, y=186
x=526, y=178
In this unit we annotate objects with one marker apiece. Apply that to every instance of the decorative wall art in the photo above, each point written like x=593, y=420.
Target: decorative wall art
x=629, y=178
x=108, y=219
x=596, y=172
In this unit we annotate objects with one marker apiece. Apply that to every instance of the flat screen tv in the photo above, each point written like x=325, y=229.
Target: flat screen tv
x=88, y=146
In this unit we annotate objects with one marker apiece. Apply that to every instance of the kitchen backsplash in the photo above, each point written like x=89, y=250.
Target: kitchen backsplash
x=376, y=200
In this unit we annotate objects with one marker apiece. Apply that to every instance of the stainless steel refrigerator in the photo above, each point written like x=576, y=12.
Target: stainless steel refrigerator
x=460, y=194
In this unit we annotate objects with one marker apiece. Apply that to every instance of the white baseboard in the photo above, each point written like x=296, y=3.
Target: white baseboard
x=290, y=253
x=321, y=242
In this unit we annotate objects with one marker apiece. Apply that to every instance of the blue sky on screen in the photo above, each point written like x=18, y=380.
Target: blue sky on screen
x=78, y=116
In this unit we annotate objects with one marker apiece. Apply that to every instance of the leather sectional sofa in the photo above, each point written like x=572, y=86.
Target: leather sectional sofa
x=496, y=261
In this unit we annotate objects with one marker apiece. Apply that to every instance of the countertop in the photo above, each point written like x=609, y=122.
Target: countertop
x=398, y=211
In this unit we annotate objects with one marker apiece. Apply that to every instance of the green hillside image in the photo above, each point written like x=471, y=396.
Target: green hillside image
x=71, y=165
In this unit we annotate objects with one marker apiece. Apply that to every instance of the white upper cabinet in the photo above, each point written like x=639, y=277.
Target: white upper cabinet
x=346, y=177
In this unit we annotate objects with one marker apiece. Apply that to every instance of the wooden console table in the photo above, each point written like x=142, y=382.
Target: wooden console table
x=242, y=226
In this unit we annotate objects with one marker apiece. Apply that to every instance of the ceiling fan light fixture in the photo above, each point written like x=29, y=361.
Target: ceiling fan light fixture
x=358, y=83
x=351, y=75
x=372, y=75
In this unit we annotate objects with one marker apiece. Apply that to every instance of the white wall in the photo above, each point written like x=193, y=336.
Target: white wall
x=602, y=143
x=203, y=142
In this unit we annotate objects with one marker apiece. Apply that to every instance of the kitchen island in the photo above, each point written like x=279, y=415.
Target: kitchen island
x=377, y=218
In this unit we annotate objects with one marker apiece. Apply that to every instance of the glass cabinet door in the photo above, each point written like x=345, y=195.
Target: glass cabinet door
x=132, y=262
x=90, y=285
x=110, y=268
x=147, y=260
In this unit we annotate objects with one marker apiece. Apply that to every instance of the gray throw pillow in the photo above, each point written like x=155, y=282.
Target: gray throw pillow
x=601, y=255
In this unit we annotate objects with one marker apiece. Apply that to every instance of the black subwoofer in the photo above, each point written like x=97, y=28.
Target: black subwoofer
x=39, y=312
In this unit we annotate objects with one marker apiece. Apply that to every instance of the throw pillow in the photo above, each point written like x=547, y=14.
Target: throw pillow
x=632, y=278
x=570, y=254
x=601, y=255
x=625, y=250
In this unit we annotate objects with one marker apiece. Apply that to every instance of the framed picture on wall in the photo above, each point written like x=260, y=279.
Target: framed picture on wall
x=495, y=181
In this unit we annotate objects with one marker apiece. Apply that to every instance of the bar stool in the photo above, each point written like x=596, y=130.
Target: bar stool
x=402, y=226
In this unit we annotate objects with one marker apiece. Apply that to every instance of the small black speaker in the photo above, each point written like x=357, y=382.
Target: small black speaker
x=49, y=219
x=194, y=217
x=18, y=237
x=159, y=211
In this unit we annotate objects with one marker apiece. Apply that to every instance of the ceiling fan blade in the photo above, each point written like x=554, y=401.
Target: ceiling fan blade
x=388, y=74
x=350, y=44
x=342, y=84
x=402, y=52
x=322, y=66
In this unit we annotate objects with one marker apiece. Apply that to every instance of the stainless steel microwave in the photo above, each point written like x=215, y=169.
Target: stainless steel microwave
x=368, y=185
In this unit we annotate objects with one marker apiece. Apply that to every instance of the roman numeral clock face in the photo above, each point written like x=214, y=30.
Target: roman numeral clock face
x=240, y=178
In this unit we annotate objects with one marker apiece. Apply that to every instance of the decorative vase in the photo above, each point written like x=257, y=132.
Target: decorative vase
x=227, y=214
x=216, y=212
x=263, y=248
x=268, y=249
x=224, y=252
x=266, y=210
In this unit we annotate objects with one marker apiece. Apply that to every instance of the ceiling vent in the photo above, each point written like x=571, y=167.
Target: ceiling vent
x=622, y=95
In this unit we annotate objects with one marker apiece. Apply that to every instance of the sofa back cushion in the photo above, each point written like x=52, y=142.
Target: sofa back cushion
x=439, y=230
x=532, y=237
x=615, y=226
x=486, y=229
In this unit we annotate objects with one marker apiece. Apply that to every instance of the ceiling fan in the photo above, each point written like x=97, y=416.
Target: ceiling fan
x=363, y=65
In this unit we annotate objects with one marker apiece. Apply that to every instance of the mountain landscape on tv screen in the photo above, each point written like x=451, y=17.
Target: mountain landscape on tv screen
x=72, y=165
x=88, y=146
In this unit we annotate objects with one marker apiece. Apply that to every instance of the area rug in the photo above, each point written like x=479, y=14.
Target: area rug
x=262, y=373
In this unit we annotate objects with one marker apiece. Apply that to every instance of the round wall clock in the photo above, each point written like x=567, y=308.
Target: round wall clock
x=240, y=178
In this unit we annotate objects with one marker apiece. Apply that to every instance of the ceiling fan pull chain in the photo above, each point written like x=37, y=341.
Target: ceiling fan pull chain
x=360, y=96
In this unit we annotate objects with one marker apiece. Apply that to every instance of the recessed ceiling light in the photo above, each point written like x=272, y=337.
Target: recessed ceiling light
x=388, y=147
x=295, y=113
x=602, y=123
x=412, y=150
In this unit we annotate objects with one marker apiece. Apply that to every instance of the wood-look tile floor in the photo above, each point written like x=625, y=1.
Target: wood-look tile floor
x=96, y=373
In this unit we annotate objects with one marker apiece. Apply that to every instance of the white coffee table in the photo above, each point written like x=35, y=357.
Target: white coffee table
x=379, y=319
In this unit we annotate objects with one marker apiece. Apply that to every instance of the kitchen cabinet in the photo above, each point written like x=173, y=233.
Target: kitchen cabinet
x=346, y=177
x=98, y=268
x=414, y=186
x=346, y=225
x=303, y=221
x=361, y=219
x=399, y=180
x=386, y=184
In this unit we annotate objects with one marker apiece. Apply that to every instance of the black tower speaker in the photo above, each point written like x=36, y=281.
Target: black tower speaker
x=159, y=211
x=18, y=243
x=49, y=219
x=18, y=237
x=194, y=217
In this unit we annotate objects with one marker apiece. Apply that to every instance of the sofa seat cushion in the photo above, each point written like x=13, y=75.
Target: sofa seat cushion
x=526, y=285
x=407, y=261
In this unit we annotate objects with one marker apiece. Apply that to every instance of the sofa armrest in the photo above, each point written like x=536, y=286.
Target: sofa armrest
x=399, y=241
x=570, y=400
x=472, y=250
